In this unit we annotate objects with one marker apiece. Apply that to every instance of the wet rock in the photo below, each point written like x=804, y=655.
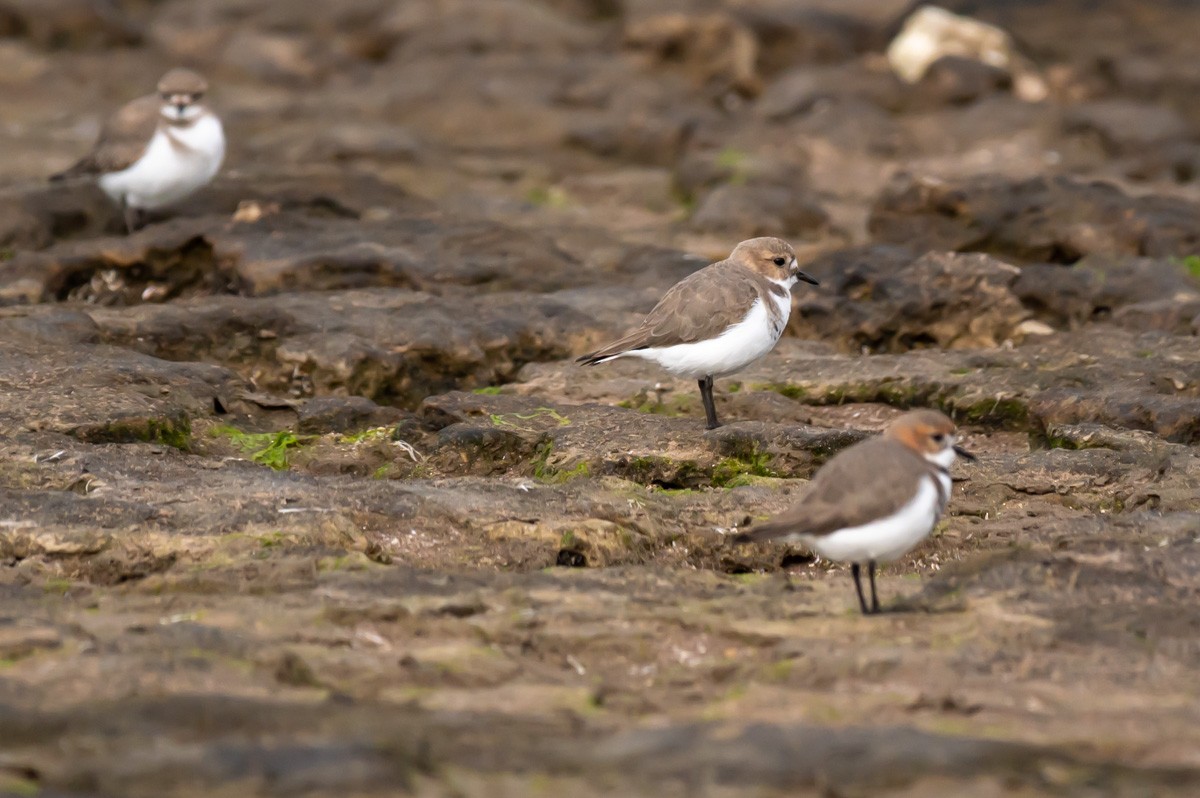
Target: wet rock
x=802, y=757
x=1176, y=162
x=340, y=194
x=798, y=91
x=299, y=513
x=61, y=327
x=69, y=24
x=718, y=52
x=34, y=217
x=1126, y=281
x=747, y=210
x=1061, y=295
x=632, y=266
x=637, y=137
x=1093, y=436
x=19, y=640
x=274, y=56
x=391, y=346
x=623, y=189
x=562, y=443
x=703, y=169
x=1056, y=220
x=859, y=127
x=1095, y=479
x=884, y=299
x=21, y=543
x=483, y=450
x=1126, y=126
x=1143, y=293
x=428, y=28
x=280, y=250
x=278, y=254
x=21, y=64
x=354, y=141
x=954, y=80
x=270, y=41
x=164, y=262
x=344, y=414
x=1103, y=374
x=788, y=35
x=1179, y=315
x=108, y=395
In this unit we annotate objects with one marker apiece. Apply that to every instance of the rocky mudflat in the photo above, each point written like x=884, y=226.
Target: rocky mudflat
x=301, y=492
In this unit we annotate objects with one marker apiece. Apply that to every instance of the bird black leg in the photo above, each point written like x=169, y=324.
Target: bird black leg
x=710, y=409
x=856, y=572
x=874, y=597
x=133, y=217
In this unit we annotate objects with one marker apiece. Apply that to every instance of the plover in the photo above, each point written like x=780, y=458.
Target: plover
x=157, y=149
x=718, y=320
x=875, y=500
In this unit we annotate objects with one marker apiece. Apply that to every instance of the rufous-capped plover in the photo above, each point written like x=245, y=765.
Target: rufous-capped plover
x=875, y=500
x=157, y=149
x=718, y=320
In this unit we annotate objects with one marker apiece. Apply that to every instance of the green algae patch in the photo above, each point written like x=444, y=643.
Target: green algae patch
x=744, y=465
x=579, y=471
x=1008, y=412
x=545, y=472
x=514, y=420
x=794, y=392
x=664, y=471
x=173, y=431
x=1191, y=265
x=272, y=449
x=368, y=435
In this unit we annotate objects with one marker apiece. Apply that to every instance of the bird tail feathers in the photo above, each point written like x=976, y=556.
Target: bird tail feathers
x=78, y=169
x=621, y=346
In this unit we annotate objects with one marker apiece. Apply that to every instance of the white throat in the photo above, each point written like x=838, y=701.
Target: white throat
x=944, y=458
x=189, y=113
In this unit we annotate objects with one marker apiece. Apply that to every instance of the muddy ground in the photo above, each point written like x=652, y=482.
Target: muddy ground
x=302, y=494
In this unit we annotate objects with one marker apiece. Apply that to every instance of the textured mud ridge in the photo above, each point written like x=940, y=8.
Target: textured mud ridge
x=301, y=492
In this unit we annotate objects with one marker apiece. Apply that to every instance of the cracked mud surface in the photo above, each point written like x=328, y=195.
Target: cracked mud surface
x=302, y=494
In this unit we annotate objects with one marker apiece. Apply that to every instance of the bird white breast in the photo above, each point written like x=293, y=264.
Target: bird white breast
x=170, y=170
x=888, y=538
x=737, y=347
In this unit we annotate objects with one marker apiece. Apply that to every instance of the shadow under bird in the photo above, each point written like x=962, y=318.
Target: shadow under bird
x=157, y=149
x=875, y=500
x=718, y=320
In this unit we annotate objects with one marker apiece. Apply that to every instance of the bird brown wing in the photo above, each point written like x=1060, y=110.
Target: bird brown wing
x=839, y=497
x=700, y=306
x=123, y=139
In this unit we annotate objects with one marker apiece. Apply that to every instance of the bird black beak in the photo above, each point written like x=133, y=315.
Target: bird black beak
x=804, y=276
x=963, y=453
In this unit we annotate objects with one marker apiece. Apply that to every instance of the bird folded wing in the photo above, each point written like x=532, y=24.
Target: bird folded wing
x=123, y=139
x=840, y=498
x=701, y=306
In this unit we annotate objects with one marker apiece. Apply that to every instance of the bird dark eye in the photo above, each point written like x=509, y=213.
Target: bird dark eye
x=939, y=437
x=780, y=261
